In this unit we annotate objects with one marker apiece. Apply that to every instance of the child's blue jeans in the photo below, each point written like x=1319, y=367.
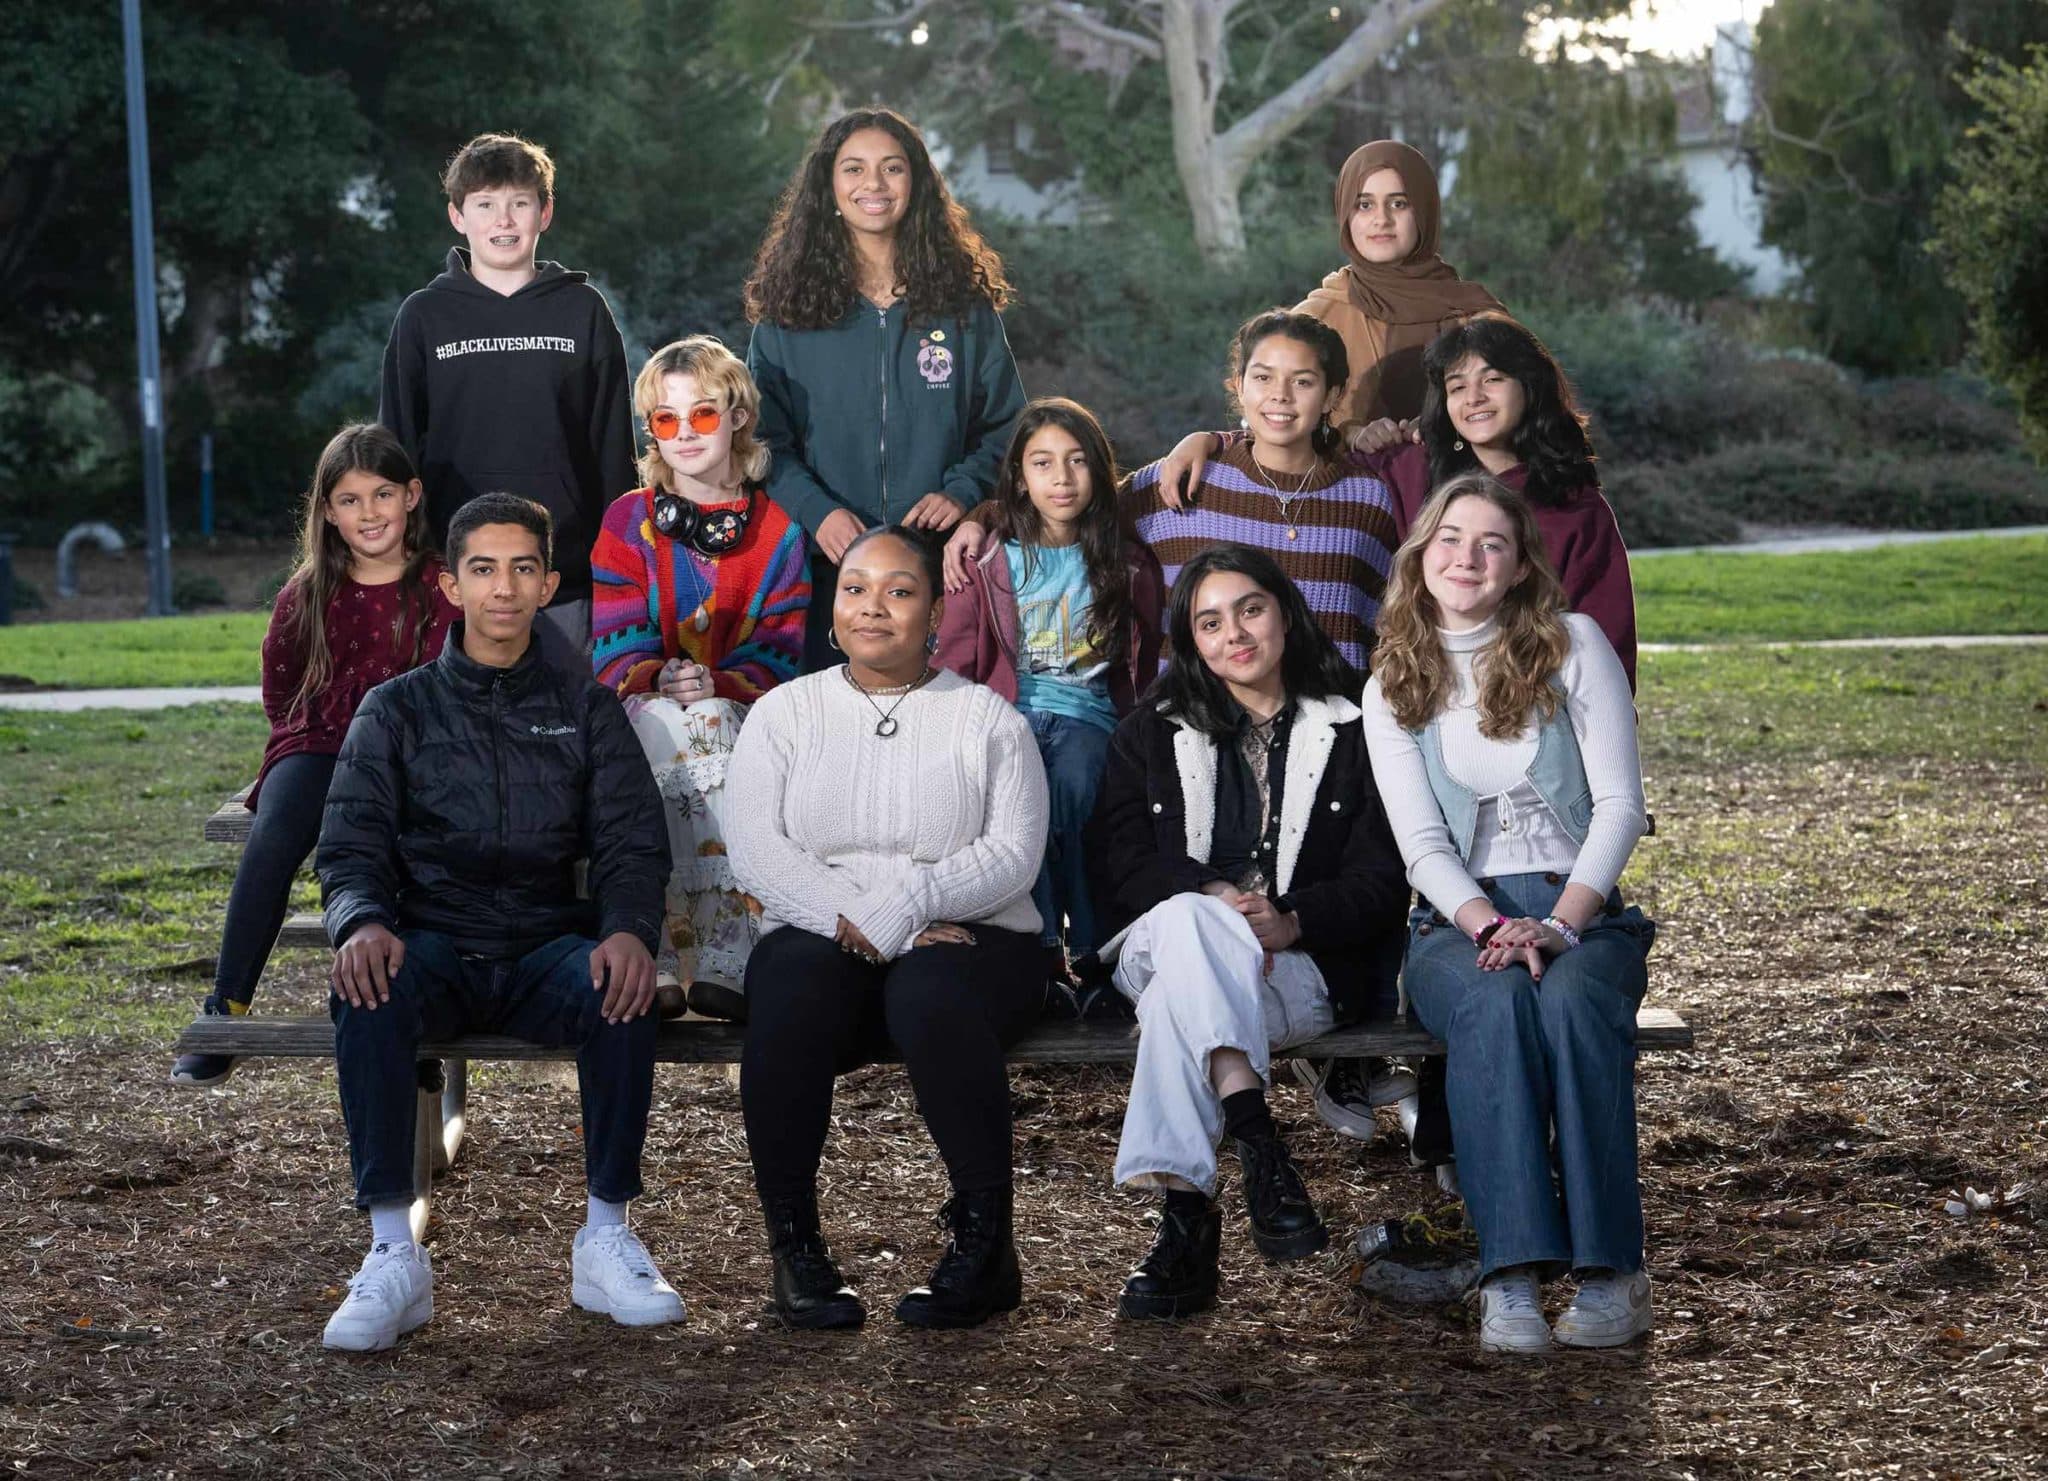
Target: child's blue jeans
x=1074, y=753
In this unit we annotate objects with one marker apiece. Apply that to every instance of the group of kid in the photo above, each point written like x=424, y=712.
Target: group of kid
x=1119, y=723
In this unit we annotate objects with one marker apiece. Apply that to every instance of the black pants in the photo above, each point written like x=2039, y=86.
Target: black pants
x=287, y=826
x=814, y=1011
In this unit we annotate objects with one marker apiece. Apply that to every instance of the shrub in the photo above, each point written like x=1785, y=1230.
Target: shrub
x=192, y=590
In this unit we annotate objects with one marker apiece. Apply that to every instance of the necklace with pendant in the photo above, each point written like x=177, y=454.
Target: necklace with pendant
x=885, y=724
x=1286, y=498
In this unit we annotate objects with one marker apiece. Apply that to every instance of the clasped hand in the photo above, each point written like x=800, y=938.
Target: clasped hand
x=1524, y=940
x=1276, y=930
x=685, y=681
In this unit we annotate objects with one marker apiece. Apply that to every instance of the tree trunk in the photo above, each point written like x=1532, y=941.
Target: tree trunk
x=1213, y=166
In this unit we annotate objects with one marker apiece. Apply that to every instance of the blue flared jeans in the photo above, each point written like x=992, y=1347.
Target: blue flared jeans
x=1540, y=1077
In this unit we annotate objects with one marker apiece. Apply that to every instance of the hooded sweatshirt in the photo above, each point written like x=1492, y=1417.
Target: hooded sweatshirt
x=523, y=393
x=876, y=412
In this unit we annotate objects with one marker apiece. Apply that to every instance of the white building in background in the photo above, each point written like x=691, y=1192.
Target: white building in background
x=1713, y=106
x=986, y=176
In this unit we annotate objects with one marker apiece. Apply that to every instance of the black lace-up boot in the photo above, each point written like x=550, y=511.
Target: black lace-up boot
x=1285, y=1224
x=1178, y=1277
x=809, y=1291
x=978, y=1275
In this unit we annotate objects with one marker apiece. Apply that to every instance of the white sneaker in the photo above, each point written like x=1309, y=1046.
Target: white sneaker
x=388, y=1297
x=1511, y=1313
x=1610, y=1310
x=611, y=1272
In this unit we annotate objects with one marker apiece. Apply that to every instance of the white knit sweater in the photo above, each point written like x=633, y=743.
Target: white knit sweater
x=1517, y=833
x=943, y=821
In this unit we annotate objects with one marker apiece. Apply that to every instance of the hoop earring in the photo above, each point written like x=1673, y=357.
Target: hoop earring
x=832, y=639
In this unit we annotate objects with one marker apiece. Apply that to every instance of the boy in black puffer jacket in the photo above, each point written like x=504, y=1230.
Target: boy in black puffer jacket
x=464, y=795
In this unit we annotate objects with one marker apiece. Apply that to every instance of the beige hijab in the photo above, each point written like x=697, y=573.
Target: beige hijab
x=1389, y=312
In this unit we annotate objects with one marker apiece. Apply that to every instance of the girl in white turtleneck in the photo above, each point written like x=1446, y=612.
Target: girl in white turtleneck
x=1502, y=736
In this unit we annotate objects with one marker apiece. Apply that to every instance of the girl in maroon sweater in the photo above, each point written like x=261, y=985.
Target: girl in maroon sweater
x=363, y=606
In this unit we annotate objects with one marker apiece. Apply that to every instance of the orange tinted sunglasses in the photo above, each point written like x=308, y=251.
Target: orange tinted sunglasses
x=704, y=419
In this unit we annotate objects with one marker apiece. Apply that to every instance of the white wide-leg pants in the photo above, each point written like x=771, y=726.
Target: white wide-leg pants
x=1197, y=975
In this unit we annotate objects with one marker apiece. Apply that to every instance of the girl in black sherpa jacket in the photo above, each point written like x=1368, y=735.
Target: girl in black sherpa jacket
x=1239, y=835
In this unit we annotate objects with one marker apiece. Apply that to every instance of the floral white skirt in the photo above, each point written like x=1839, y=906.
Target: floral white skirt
x=712, y=923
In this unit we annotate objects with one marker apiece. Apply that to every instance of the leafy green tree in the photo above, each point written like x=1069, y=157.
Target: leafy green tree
x=1859, y=108
x=1993, y=240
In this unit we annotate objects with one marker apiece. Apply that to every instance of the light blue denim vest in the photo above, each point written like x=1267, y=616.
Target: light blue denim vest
x=1558, y=774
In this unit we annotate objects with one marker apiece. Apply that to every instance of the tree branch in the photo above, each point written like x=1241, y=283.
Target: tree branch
x=1082, y=20
x=876, y=23
x=1284, y=112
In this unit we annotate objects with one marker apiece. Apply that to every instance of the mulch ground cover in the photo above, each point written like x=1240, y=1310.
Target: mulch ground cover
x=1856, y=947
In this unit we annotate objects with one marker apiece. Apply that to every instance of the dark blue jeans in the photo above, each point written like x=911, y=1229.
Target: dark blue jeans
x=1074, y=753
x=544, y=997
x=1541, y=1081
x=287, y=826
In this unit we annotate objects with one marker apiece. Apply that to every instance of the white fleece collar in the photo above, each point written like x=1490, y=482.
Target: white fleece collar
x=1309, y=742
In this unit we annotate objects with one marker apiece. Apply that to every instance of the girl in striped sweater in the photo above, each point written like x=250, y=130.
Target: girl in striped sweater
x=1285, y=488
x=701, y=586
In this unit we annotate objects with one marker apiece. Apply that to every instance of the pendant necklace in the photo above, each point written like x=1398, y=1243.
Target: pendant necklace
x=886, y=725
x=1284, y=498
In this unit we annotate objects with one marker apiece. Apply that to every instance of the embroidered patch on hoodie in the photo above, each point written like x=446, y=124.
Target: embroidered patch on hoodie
x=935, y=361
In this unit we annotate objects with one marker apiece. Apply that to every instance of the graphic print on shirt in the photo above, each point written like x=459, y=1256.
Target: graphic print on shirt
x=935, y=361
x=505, y=344
x=1053, y=635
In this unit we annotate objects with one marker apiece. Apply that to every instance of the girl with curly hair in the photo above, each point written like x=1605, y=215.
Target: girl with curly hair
x=1503, y=742
x=887, y=386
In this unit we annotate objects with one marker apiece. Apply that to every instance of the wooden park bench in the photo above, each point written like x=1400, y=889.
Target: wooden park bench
x=443, y=1108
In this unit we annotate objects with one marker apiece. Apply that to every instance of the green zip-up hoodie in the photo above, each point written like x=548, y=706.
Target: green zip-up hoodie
x=874, y=413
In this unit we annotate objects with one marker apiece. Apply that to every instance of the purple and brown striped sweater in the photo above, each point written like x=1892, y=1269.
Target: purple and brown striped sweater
x=1340, y=553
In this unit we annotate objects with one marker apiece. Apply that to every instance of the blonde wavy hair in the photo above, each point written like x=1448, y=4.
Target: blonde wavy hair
x=1515, y=670
x=721, y=376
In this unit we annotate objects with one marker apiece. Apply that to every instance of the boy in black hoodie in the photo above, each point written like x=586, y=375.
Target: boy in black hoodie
x=508, y=375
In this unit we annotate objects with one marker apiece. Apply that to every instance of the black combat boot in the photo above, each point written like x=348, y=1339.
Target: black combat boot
x=978, y=1275
x=809, y=1291
x=1285, y=1224
x=1178, y=1277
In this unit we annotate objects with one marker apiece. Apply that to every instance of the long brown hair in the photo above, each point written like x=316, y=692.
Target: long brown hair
x=804, y=275
x=1106, y=533
x=361, y=447
x=1515, y=670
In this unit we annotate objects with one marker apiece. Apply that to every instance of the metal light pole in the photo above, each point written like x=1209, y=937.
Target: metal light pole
x=149, y=360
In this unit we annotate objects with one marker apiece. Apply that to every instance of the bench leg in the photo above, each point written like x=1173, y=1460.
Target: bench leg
x=426, y=1145
x=454, y=1113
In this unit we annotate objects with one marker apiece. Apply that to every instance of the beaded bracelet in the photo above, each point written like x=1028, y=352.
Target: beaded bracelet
x=1571, y=937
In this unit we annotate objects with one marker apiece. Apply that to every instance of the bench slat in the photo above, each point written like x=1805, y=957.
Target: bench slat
x=302, y=930
x=229, y=823
x=693, y=1041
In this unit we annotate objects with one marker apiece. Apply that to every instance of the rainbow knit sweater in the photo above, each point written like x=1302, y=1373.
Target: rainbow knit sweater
x=1337, y=543
x=740, y=614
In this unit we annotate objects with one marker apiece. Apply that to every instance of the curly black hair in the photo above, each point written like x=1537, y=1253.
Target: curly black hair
x=804, y=273
x=1550, y=440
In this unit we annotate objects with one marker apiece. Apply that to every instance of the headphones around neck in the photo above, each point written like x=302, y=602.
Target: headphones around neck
x=709, y=532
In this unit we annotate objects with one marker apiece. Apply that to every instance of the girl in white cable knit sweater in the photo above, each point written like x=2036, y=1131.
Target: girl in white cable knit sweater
x=1503, y=740
x=890, y=817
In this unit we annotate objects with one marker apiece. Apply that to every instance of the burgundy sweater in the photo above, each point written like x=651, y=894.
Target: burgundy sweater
x=359, y=621
x=1579, y=535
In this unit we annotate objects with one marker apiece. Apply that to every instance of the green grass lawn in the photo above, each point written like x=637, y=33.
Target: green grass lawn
x=1946, y=586
x=110, y=903
x=162, y=652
